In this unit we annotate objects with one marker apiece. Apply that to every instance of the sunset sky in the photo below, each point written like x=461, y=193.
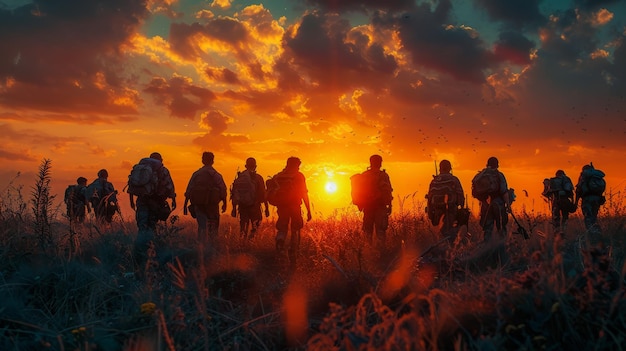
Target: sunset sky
x=101, y=84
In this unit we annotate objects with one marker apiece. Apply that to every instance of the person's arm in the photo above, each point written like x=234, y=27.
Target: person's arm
x=389, y=204
x=132, y=201
x=459, y=193
x=302, y=188
x=504, y=190
x=173, y=202
x=223, y=195
x=307, y=204
x=185, y=205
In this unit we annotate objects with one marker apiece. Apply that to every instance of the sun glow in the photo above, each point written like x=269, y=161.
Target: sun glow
x=330, y=187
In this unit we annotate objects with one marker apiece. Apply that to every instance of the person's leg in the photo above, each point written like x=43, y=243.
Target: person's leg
x=255, y=218
x=504, y=220
x=142, y=215
x=368, y=223
x=448, y=229
x=486, y=221
x=282, y=226
x=213, y=219
x=564, y=218
x=297, y=223
x=244, y=221
x=587, y=210
x=556, y=216
x=381, y=222
x=201, y=218
x=594, y=209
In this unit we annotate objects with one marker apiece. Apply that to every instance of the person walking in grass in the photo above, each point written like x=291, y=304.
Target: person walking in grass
x=377, y=207
x=102, y=197
x=489, y=186
x=76, y=200
x=445, y=197
x=247, y=194
x=560, y=193
x=205, y=190
x=151, y=205
x=287, y=191
x=590, y=189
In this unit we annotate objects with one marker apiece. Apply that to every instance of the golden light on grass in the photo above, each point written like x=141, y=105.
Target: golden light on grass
x=399, y=277
x=295, y=316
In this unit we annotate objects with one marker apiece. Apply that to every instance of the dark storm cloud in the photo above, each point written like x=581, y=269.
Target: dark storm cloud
x=618, y=69
x=362, y=5
x=335, y=56
x=516, y=13
x=226, y=30
x=513, y=47
x=595, y=4
x=433, y=44
x=48, y=47
x=182, y=98
x=573, y=88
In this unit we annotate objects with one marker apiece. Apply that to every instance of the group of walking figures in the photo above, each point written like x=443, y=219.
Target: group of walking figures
x=150, y=186
x=446, y=199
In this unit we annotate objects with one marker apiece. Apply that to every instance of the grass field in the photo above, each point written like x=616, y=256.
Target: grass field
x=78, y=288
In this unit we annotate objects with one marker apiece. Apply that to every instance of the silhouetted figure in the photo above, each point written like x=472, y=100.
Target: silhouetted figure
x=287, y=190
x=377, y=208
x=590, y=188
x=205, y=190
x=102, y=197
x=445, y=197
x=561, y=196
x=151, y=205
x=490, y=187
x=76, y=200
x=247, y=193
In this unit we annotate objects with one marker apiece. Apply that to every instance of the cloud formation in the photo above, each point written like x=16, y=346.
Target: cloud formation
x=527, y=79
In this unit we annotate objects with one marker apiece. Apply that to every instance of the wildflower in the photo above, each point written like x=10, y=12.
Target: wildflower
x=555, y=307
x=148, y=308
x=79, y=331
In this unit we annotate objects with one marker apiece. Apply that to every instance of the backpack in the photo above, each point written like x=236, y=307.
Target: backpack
x=279, y=189
x=556, y=185
x=144, y=178
x=369, y=187
x=243, y=189
x=202, y=188
x=594, y=183
x=441, y=191
x=72, y=195
x=360, y=191
x=485, y=183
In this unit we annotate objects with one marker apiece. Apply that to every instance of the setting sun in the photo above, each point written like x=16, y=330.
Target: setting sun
x=330, y=187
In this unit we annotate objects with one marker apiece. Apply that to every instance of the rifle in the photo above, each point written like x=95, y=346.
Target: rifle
x=520, y=229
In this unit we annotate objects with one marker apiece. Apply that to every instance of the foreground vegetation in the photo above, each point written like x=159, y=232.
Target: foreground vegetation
x=77, y=287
